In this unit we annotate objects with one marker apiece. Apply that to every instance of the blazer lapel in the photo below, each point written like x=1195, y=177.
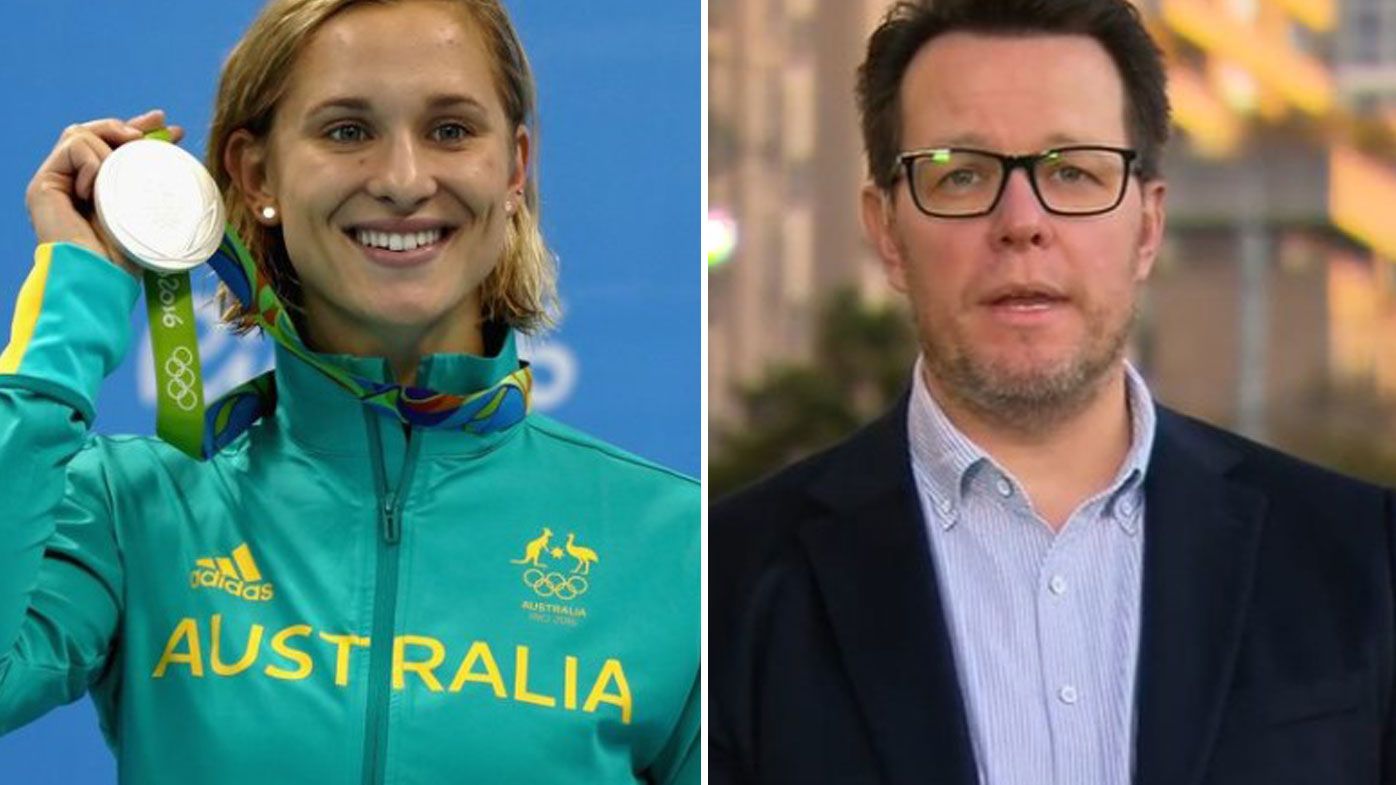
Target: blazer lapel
x=872, y=563
x=1201, y=537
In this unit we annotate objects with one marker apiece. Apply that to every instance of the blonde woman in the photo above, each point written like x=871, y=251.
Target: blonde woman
x=342, y=591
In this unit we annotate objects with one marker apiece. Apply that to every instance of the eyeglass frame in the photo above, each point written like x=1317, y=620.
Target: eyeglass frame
x=1007, y=163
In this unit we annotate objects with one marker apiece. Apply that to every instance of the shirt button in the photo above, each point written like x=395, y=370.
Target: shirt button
x=945, y=506
x=1126, y=507
x=1057, y=585
x=1067, y=694
x=1005, y=487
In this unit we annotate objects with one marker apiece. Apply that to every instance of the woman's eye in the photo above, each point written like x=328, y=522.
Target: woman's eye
x=347, y=132
x=452, y=132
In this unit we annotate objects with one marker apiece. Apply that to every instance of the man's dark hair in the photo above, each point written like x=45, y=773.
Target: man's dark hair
x=911, y=24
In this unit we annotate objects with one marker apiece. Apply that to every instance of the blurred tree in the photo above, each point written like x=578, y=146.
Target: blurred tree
x=861, y=362
x=1358, y=456
x=1350, y=429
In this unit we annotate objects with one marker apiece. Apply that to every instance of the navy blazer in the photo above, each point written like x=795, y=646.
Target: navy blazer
x=1266, y=649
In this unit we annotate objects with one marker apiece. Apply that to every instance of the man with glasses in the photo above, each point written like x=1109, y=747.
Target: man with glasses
x=1028, y=572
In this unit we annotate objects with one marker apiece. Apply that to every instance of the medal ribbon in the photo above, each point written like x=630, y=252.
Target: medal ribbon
x=183, y=421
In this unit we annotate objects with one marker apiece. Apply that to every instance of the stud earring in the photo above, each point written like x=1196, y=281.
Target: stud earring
x=269, y=212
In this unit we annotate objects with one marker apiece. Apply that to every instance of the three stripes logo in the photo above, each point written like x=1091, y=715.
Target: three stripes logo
x=237, y=576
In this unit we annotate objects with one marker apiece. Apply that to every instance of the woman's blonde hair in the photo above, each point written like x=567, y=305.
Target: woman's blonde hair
x=521, y=290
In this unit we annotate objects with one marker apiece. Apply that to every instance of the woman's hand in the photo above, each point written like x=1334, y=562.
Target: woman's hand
x=59, y=198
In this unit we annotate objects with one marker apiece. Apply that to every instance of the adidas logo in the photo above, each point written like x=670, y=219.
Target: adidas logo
x=237, y=576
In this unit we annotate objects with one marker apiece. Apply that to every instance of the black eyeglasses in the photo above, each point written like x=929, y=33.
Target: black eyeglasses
x=961, y=182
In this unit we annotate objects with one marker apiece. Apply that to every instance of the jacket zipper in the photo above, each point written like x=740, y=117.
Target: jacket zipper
x=392, y=524
x=390, y=503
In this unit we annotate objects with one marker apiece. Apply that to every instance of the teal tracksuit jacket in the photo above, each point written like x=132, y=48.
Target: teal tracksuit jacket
x=331, y=598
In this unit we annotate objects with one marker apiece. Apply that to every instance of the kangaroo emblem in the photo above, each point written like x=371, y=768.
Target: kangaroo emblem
x=535, y=547
x=584, y=556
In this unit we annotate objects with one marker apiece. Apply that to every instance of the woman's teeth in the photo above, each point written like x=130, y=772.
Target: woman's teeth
x=395, y=241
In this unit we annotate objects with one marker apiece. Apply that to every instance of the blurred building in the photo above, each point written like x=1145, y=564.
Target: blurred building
x=785, y=161
x=1275, y=290
x=1365, y=55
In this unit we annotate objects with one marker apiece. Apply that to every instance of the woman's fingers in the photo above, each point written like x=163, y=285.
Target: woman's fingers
x=85, y=157
x=150, y=118
x=116, y=132
x=110, y=130
x=154, y=120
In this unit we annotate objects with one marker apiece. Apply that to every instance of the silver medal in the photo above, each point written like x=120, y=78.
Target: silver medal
x=159, y=205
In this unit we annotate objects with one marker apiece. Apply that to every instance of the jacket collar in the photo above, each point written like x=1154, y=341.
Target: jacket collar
x=871, y=559
x=320, y=415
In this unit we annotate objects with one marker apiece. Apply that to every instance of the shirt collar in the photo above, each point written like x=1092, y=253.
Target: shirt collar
x=945, y=460
x=320, y=414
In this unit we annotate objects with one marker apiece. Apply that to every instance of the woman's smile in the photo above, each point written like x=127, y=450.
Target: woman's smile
x=400, y=243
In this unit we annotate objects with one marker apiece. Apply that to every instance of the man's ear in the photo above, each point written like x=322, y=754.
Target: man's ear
x=245, y=159
x=1151, y=227
x=879, y=225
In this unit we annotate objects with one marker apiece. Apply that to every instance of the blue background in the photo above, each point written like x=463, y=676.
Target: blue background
x=619, y=163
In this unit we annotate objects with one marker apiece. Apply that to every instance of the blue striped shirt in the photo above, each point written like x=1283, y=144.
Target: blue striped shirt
x=1045, y=627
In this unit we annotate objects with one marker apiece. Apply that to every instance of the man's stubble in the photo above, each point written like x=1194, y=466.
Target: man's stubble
x=1034, y=398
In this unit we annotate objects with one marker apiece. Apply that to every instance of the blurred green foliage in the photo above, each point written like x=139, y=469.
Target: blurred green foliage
x=1350, y=430
x=860, y=363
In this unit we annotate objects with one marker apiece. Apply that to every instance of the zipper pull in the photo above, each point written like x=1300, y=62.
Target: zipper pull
x=392, y=527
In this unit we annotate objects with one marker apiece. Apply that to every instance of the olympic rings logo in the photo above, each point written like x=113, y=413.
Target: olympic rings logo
x=181, y=378
x=553, y=584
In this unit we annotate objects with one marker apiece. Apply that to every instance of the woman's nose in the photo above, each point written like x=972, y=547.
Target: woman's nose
x=403, y=177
